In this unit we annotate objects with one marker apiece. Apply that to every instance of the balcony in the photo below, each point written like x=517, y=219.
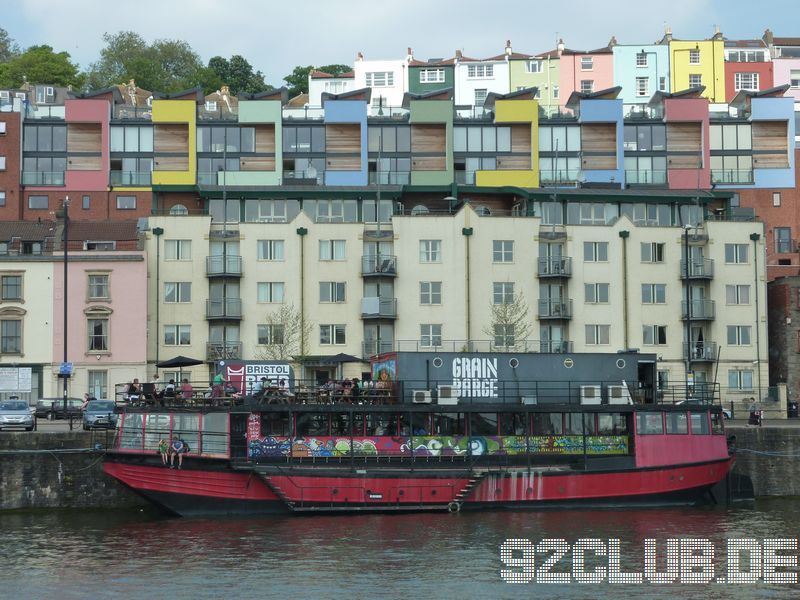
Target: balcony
x=555, y=266
x=555, y=347
x=45, y=112
x=130, y=178
x=133, y=113
x=469, y=113
x=559, y=176
x=378, y=308
x=701, y=310
x=465, y=177
x=642, y=112
x=701, y=351
x=646, y=177
x=300, y=177
x=390, y=177
x=43, y=178
x=223, y=351
x=221, y=113
x=384, y=265
x=226, y=308
x=396, y=113
x=555, y=309
x=224, y=265
x=374, y=347
x=739, y=177
x=699, y=268
x=305, y=113
x=559, y=113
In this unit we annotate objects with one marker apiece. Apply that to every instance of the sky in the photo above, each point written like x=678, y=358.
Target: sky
x=276, y=36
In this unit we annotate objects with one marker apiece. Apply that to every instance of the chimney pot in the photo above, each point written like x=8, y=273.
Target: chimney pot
x=458, y=55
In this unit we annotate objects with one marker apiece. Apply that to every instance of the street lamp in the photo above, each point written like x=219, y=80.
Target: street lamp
x=755, y=237
x=158, y=232
x=64, y=372
x=686, y=229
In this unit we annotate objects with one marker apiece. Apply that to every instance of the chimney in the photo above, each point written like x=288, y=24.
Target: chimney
x=508, y=47
x=612, y=42
x=560, y=46
x=668, y=33
x=717, y=33
x=359, y=56
x=459, y=56
x=410, y=54
x=225, y=90
x=768, y=37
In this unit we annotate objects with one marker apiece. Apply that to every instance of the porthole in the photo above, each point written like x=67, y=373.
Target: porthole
x=437, y=362
x=620, y=363
x=513, y=363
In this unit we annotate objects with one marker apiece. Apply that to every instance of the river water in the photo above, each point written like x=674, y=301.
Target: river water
x=138, y=554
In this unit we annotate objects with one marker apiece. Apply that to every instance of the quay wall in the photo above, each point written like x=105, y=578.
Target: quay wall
x=770, y=456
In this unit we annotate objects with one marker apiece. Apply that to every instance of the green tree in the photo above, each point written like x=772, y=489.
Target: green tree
x=238, y=74
x=8, y=49
x=290, y=335
x=39, y=64
x=510, y=325
x=297, y=80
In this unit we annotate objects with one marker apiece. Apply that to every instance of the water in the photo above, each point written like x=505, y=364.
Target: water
x=141, y=555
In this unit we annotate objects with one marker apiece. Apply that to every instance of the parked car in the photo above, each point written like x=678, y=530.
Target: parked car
x=17, y=414
x=55, y=406
x=726, y=412
x=100, y=413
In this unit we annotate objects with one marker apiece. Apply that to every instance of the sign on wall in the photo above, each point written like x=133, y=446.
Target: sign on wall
x=15, y=379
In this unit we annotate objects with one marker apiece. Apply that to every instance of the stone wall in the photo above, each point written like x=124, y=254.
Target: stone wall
x=776, y=473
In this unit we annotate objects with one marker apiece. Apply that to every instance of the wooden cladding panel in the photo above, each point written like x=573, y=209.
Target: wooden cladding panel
x=171, y=163
x=261, y=163
x=84, y=137
x=343, y=163
x=599, y=137
x=514, y=163
x=429, y=138
x=599, y=162
x=429, y=163
x=84, y=163
x=770, y=145
x=341, y=138
x=265, y=139
x=685, y=162
x=685, y=137
x=171, y=138
x=521, y=139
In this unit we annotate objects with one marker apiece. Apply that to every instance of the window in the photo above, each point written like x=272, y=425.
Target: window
x=649, y=423
x=177, y=335
x=331, y=334
x=597, y=335
x=126, y=202
x=695, y=80
x=738, y=335
x=502, y=251
x=37, y=202
x=11, y=288
x=331, y=291
x=480, y=97
x=430, y=292
x=211, y=106
x=98, y=286
x=642, y=86
x=2, y=198
x=98, y=334
x=662, y=84
x=304, y=139
x=390, y=139
x=652, y=252
x=736, y=253
x=555, y=92
x=694, y=57
x=503, y=292
x=504, y=335
x=596, y=293
x=595, y=251
x=480, y=71
x=641, y=59
x=270, y=249
x=177, y=291
x=270, y=291
x=430, y=336
x=132, y=139
x=178, y=250
x=654, y=293
x=98, y=384
x=746, y=56
x=431, y=75
x=677, y=422
x=2, y=163
x=3, y=124
x=430, y=251
x=535, y=66
x=380, y=79
x=737, y=294
x=45, y=138
x=331, y=250
x=587, y=63
x=745, y=81
x=776, y=198
x=271, y=334
x=482, y=139
x=587, y=86
x=794, y=78
x=783, y=239
x=10, y=336
x=740, y=379
x=86, y=203
x=654, y=335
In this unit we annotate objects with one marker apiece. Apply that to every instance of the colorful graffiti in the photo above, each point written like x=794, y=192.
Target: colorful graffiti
x=322, y=447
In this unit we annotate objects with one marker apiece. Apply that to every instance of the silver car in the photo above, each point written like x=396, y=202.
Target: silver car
x=17, y=413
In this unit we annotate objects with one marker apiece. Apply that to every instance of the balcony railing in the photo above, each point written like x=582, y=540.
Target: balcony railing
x=473, y=113
x=134, y=113
x=226, y=308
x=701, y=351
x=375, y=347
x=220, y=114
x=308, y=113
x=555, y=309
x=465, y=177
x=389, y=112
x=390, y=177
x=646, y=177
x=224, y=265
x=699, y=268
x=43, y=178
x=558, y=176
x=785, y=246
x=557, y=113
x=379, y=264
x=223, y=351
x=700, y=309
x=318, y=176
x=555, y=347
x=555, y=266
x=741, y=176
x=45, y=112
x=378, y=308
x=639, y=112
x=132, y=178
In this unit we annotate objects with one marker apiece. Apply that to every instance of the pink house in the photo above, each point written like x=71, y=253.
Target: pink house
x=787, y=70
x=585, y=72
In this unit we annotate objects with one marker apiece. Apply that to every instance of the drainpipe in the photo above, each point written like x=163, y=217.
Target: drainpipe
x=686, y=229
x=624, y=236
x=158, y=232
x=467, y=233
x=756, y=237
x=302, y=231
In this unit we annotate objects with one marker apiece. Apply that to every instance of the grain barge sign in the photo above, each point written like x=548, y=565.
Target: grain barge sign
x=475, y=377
x=244, y=374
x=13, y=379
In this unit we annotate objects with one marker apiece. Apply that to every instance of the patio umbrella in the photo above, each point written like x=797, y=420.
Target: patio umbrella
x=179, y=362
x=340, y=359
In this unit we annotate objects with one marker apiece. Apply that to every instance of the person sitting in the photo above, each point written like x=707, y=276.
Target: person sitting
x=133, y=390
x=178, y=448
x=259, y=389
x=217, y=389
x=355, y=390
x=232, y=392
x=186, y=390
x=169, y=392
x=163, y=450
x=155, y=387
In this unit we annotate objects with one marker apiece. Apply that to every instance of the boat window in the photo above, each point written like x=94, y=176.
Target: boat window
x=340, y=424
x=677, y=422
x=574, y=424
x=358, y=424
x=312, y=424
x=187, y=428
x=716, y=424
x=448, y=424
x=483, y=424
x=381, y=424
x=132, y=432
x=547, y=424
x=649, y=423
x=215, y=434
x=700, y=423
x=612, y=424
x=276, y=424
x=512, y=423
x=156, y=428
x=420, y=423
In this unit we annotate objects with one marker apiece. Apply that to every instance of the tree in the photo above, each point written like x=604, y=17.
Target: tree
x=39, y=64
x=288, y=334
x=510, y=324
x=297, y=80
x=8, y=49
x=238, y=75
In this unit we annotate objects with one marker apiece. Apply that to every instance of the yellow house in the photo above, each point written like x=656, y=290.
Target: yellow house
x=175, y=155
x=698, y=62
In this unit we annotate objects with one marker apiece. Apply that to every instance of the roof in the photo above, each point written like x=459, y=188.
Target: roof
x=103, y=230
x=693, y=92
x=281, y=94
x=299, y=100
x=32, y=231
x=317, y=74
x=606, y=94
x=443, y=94
x=786, y=41
x=512, y=56
x=132, y=95
x=743, y=97
x=523, y=94
x=360, y=94
x=745, y=44
x=432, y=62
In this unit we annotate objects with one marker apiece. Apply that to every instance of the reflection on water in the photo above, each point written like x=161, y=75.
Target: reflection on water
x=139, y=555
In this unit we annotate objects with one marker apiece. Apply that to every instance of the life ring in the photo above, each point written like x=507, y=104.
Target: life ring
x=454, y=507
